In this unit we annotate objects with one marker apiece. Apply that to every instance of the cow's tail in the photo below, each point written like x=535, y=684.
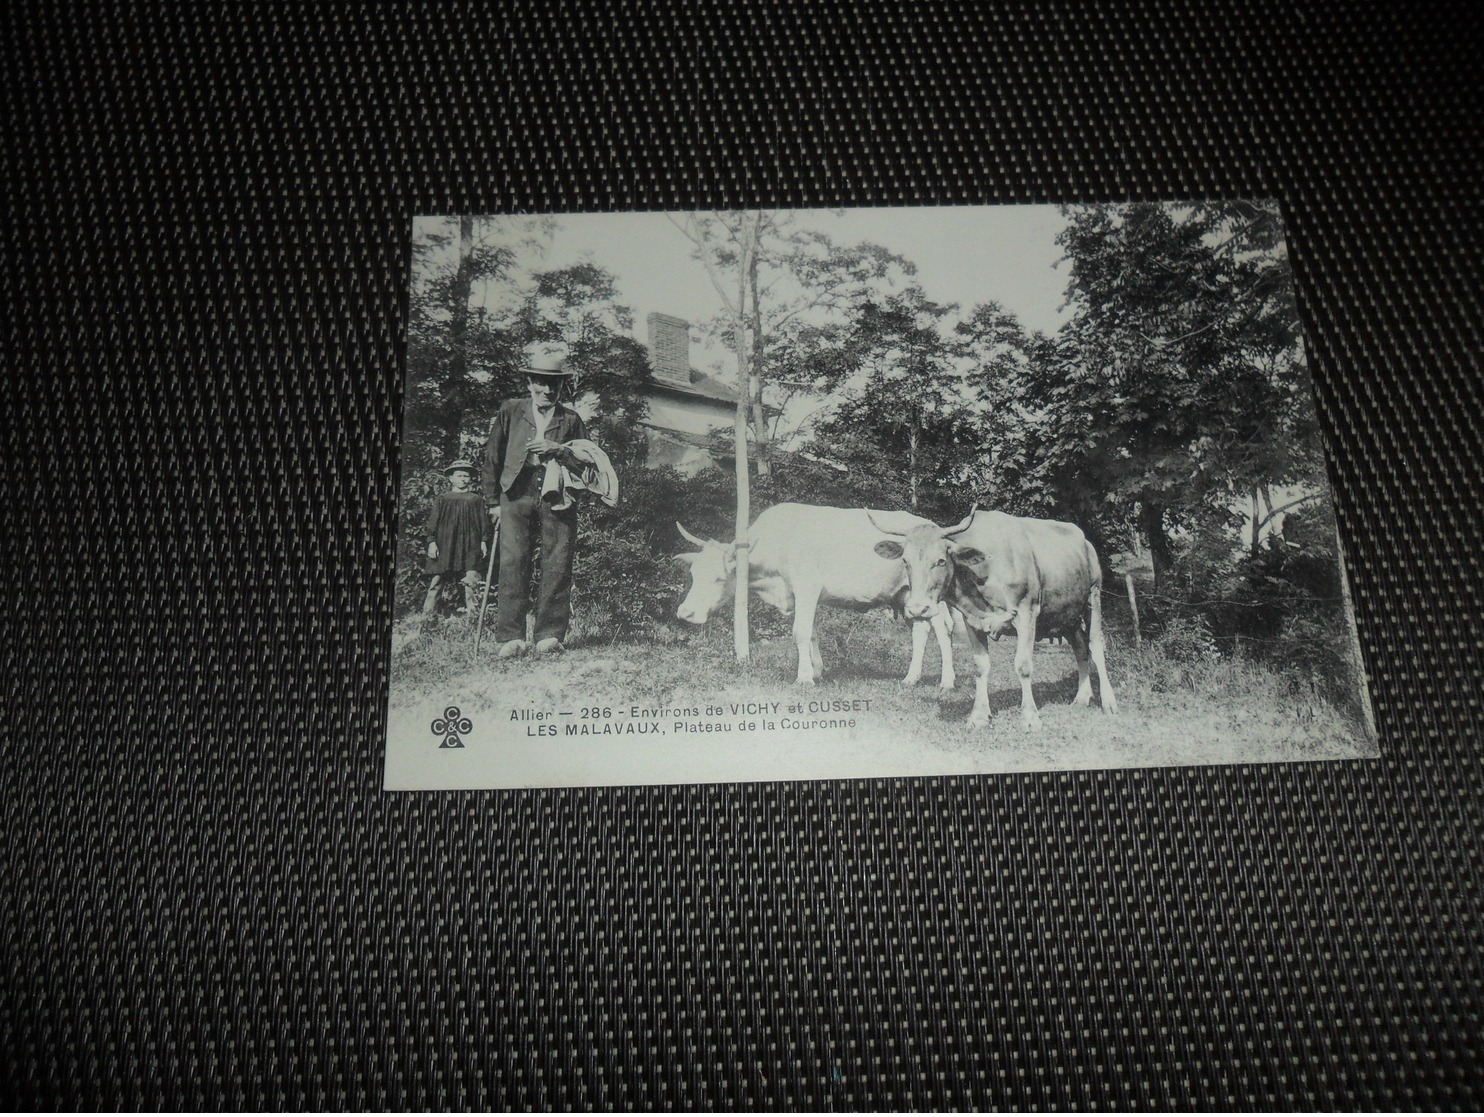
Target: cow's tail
x=1093, y=615
x=1095, y=566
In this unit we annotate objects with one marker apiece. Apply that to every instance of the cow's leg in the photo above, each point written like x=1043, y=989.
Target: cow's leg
x=919, y=646
x=979, y=646
x=815, y=658
x=806, y=600
x=1084, y=672
x=943, y=628
x=1025, y=632
x=1095, y=647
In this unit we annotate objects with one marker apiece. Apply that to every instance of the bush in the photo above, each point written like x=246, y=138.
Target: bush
x=1181, y=654
x=1281, y=606
x=626, y=582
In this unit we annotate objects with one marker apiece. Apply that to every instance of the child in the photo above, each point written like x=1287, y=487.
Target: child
x=456, y=541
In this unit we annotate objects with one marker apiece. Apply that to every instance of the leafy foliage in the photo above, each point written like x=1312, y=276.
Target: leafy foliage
x=904, y=413
x=791, y=288
x=624, y=583
x=1180, y=376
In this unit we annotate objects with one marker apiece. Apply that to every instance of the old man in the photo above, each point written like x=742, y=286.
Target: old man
x=527, y=433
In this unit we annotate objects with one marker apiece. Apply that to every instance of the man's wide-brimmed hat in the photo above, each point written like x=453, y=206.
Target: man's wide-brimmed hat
x=462, y=463
x=549, y=364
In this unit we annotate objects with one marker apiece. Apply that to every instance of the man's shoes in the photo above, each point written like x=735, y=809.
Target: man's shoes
x=550, y=646
x=511, y=648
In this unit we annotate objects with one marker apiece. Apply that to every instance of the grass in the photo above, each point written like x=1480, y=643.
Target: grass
x=1172, y=710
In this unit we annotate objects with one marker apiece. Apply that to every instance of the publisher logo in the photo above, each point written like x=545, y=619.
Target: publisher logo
x=449, y=726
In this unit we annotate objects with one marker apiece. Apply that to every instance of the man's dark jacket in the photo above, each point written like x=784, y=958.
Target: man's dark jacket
x=505, y=452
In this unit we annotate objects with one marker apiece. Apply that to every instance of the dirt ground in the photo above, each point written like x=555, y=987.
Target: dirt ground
x=1169, y=714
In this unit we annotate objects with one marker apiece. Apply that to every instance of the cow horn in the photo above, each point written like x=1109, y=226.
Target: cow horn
x=689, y=536
x=963, y=524
x=882, y=530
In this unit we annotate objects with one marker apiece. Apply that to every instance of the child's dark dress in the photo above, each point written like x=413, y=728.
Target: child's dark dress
x=457, y=524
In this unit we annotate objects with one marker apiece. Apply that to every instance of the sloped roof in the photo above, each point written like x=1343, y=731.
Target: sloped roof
x=689, y=438
x=715, y=442
x=703, y=387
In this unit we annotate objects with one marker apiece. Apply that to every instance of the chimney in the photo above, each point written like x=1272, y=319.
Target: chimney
x=669, y=350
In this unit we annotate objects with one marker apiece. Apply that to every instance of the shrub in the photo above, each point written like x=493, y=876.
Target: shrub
x=1280, y=607
x=1183, y=653
x=626, y=582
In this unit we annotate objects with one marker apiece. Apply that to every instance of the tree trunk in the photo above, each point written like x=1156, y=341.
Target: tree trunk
x=755, y=376
x=1152, y=524
x=1133, y=608
x=1256, y=522
x=458, y=326
x=912, y=465
x=741, y=639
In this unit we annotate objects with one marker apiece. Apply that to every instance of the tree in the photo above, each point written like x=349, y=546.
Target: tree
x=903, y=405
x=469, y=275
x=727, y=247
x=1179, y=383
x=797, y=280
x=1009, y=420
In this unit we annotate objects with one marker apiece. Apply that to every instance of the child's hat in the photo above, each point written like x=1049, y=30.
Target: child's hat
x=462, y=463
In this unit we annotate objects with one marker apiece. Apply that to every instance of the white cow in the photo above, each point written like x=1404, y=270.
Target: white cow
x=800, y=555
x=1004, y=573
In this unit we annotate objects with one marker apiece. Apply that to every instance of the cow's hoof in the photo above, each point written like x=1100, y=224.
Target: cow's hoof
x=1082, y=700
x=1031, y=724
x=804, y=682
x=1110, y=707
x=912, y=680
x=978, y=721
x=947, y=684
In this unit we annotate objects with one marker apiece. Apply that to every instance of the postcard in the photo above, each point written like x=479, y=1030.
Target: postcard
x=782, y=495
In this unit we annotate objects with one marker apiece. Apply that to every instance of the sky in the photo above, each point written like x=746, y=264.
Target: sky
x=964, y=254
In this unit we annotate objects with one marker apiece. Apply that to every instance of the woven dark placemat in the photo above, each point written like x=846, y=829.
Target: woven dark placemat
x=208, y=901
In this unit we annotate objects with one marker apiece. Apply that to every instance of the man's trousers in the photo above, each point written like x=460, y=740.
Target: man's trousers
x=522, y=515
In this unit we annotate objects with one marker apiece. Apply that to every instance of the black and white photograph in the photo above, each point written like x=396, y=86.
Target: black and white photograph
x=838, y=494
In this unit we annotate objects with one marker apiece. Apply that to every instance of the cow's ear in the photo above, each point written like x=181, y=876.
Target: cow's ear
x=889, y=549
x=687, y=557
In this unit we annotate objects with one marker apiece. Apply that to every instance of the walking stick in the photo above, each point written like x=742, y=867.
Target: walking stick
x=489, y=576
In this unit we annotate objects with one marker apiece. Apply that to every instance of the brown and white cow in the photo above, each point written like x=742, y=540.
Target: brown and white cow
x=1001, y=572
x=803, y=555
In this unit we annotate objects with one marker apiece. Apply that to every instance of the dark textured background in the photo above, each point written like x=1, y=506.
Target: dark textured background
x=208, y=900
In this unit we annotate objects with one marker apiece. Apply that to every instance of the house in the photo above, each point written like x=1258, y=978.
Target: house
x=685, y=406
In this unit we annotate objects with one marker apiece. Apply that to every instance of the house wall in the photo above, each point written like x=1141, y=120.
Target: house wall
x=682, y=456
x=687, y=415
